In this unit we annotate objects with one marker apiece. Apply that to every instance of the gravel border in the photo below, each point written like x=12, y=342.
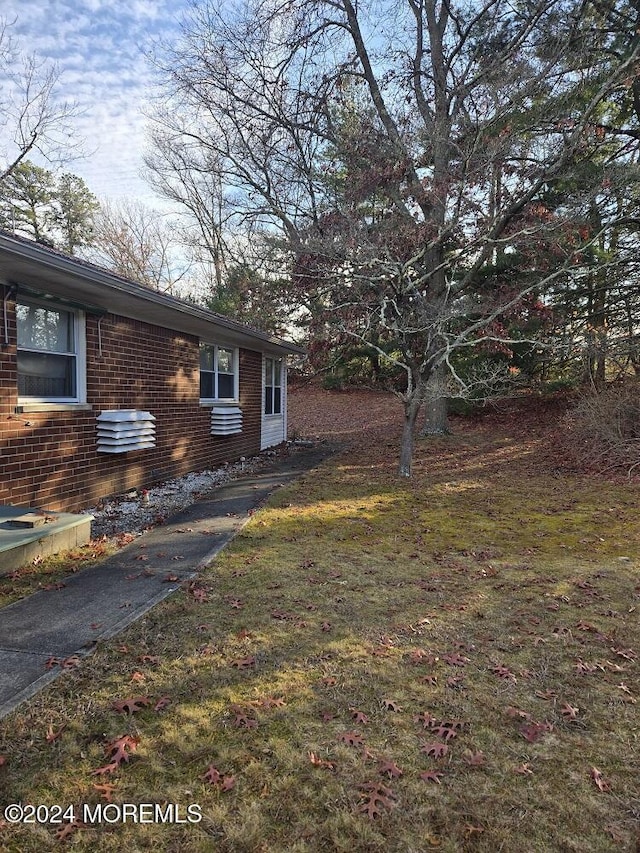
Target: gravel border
x=136, y=511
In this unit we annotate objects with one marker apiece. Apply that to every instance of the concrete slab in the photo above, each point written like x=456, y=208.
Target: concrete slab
x=21, y=544
x=23, y=674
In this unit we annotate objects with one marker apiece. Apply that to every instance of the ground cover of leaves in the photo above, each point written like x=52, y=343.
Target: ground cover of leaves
x=446, y=663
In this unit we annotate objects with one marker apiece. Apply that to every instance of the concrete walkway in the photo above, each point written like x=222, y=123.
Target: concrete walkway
x=99, y=602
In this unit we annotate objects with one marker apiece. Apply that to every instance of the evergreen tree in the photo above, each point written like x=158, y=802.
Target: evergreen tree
x=73, y=213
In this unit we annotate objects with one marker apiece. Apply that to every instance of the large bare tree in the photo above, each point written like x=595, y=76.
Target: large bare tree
x=34, y=117
x=402, y=151
x=137, y=243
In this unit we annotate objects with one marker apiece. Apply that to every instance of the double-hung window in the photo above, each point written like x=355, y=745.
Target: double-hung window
x=50, y=356
x=218, y=373
x=273, y=386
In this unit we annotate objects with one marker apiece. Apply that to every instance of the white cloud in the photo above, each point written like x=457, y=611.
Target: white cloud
x=99, y=48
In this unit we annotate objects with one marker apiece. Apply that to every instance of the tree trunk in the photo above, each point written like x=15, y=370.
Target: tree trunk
x=436, y=421
x=411, y=409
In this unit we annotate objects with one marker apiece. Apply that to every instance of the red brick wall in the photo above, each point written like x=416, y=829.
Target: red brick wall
x=50, y=460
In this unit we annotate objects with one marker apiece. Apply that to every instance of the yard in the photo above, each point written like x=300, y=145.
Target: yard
x=446, y=663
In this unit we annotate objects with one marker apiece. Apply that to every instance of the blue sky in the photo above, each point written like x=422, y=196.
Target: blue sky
x=99, y=47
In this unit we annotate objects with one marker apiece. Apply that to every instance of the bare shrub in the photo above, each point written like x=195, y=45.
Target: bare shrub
x=607, y=426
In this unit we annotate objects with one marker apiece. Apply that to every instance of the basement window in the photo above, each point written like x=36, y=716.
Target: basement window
x=50, y=355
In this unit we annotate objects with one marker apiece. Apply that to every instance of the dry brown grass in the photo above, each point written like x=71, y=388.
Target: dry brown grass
x=488, y=605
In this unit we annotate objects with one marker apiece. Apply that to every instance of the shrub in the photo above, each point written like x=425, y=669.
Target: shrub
x=608, y=426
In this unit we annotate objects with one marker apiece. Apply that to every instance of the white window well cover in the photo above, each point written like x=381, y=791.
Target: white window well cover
x=226, y=420
x=122, y=430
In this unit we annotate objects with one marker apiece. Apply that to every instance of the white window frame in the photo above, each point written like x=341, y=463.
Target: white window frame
x=236, y=373
x=80, y=354
x=269, y=382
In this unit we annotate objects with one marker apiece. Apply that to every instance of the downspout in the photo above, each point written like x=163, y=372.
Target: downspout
x=9, y=293
x=100, y=319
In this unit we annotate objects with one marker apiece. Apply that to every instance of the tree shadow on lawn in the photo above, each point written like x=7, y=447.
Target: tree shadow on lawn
x=371, y=606
x=527, y=657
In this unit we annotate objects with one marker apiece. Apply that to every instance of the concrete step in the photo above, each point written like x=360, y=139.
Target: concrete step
x=27, y=533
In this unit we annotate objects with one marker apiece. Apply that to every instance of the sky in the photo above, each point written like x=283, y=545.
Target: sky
x=99, y=47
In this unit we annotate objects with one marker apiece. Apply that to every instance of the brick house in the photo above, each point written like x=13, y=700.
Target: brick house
x=106, y=385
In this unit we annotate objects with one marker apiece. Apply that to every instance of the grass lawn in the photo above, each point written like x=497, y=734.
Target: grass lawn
x=447, y=663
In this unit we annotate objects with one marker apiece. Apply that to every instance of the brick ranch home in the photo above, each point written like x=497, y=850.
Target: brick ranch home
x=106, y=385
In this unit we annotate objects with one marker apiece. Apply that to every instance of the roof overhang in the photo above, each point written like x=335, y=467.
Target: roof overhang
x=38, y=269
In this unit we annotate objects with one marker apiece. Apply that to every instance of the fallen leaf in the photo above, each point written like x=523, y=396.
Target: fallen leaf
x=627, y=654
x=212, y=775
x=546, y=694
x=244, y=663
x=215, y=777
x=599, y=780
x=389, y=768
x=474, y=759
x=52, y=736
x=426, y=719
x=503, y=672
x=270, y=702
x=65, y=831
x=105, y=789
x=377, y=799
x=532, y=732
x=131, y=705
x=432, y=776
x=351, y=739
x=569, y=712
x=321, y=762
x=435, y=750
x=455, y=660
x=359, y=717
x=622, y=686
x=200, y=595
x=243, y=721
x=446, y=731
x=517, y=712
x=111, y=767
x=118, y=751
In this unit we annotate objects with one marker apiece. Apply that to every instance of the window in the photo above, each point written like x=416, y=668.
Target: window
x=50, y=353
x=273, y=386
x=218, y=373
